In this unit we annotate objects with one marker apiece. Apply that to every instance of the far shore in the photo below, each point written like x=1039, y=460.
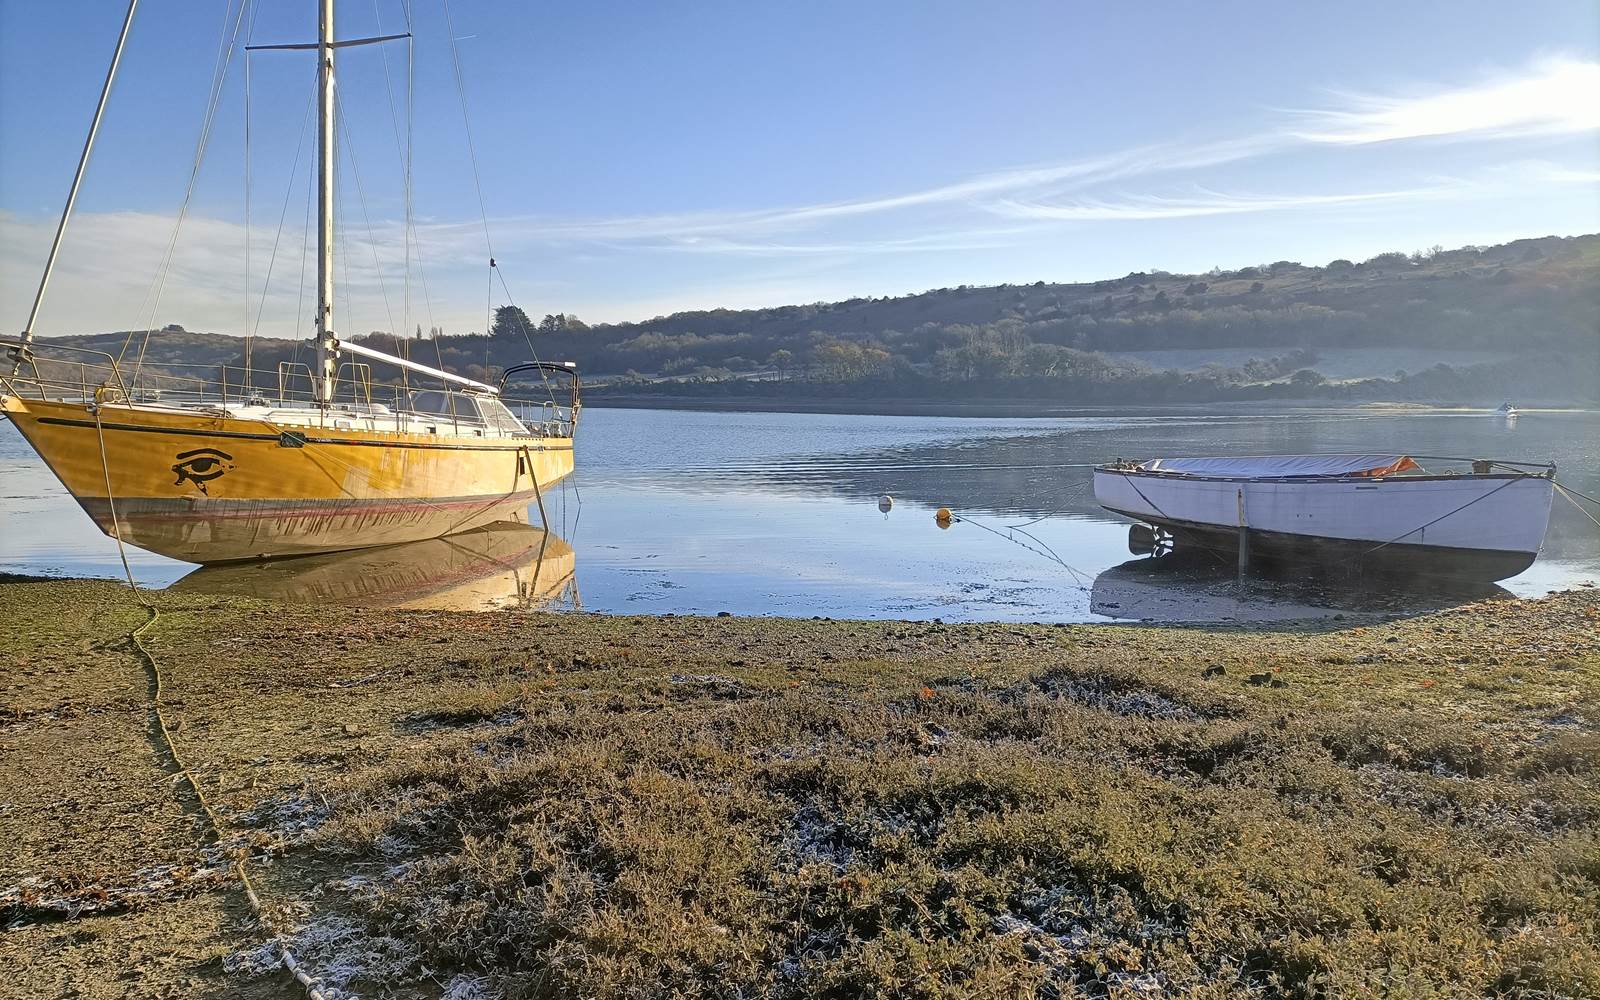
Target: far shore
x=1016, y=408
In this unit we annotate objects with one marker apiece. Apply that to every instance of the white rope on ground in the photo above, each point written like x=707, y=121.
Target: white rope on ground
x=153, y=670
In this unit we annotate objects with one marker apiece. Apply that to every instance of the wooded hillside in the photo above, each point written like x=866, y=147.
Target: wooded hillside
x=1535, y=301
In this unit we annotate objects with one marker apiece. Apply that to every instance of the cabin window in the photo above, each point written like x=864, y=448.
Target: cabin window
x=497, y=416
x=438, y=402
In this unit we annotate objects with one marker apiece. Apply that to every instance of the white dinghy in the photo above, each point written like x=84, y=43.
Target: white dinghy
x=1382, y=513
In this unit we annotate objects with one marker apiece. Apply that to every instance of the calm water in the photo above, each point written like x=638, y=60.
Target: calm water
x=776, y=513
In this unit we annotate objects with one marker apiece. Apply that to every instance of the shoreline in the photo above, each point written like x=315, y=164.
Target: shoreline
x=627, y=801
x=1025, y=410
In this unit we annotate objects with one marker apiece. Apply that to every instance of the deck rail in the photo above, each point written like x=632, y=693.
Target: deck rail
x=62, y=373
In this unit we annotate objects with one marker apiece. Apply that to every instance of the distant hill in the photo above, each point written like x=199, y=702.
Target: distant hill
x=1521, y=318
x=174, y=350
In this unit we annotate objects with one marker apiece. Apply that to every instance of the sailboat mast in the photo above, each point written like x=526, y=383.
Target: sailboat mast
x=327, y=350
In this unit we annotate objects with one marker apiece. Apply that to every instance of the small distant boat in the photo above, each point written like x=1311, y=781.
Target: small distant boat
x=1381, y=513
x=1505, y=411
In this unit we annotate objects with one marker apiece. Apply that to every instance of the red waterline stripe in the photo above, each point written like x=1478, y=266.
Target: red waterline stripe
x=326, y=510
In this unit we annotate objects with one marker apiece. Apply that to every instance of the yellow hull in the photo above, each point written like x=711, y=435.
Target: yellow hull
x=209, y=488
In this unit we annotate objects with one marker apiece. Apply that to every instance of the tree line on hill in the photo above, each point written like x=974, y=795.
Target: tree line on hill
x=1539, y=298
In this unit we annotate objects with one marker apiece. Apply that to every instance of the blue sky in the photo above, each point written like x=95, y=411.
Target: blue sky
x=640, y=159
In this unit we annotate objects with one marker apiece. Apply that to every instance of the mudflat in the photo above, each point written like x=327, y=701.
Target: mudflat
x=518, y=805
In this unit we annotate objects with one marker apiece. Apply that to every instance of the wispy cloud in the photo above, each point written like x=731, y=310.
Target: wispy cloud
x=1205, y=203
x=973, y=239
x=1553, y=96
x=1550, y=96
x=110, y=258
x=1499, y=179
x=727, y=232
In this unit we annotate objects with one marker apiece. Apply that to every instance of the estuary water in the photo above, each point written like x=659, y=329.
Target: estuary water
x=689, y=512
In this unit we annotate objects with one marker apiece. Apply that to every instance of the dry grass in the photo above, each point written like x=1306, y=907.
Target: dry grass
x=612, y=807
x=961, y=838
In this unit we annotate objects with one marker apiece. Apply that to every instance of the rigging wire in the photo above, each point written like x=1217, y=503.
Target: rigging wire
x=544, y=377
x=394, y=121
x=466, y=123
x=21, y=355
x=225, y=46
x=283, y=215
x=361, y=199
x=483, y=210
x=411, y=222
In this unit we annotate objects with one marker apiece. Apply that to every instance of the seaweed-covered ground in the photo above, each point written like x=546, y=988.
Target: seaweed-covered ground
x=529, y=805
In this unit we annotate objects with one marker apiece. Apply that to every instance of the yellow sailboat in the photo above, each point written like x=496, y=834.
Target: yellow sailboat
x=207, y=471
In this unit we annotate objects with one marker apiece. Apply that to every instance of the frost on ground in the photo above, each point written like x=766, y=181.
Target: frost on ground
x=288, y=818
x=466, y=987
x=1113, y=694
x=341, y=954
x=43, y=899
x=1028, y=812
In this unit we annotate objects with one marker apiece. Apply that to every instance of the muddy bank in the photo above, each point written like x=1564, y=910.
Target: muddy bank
x=529, y=805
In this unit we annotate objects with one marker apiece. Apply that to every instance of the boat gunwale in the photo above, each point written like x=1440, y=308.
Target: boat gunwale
x=1313, y=480
x=108, y=421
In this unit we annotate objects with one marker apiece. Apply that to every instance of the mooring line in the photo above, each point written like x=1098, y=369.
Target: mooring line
x=1077, y=574
x=1069, y=488
x=1568, y=493
x=1577, y=493
x=153, y=670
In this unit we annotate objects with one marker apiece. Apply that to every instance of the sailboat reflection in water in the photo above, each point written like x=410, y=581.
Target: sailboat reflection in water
x=505, y=566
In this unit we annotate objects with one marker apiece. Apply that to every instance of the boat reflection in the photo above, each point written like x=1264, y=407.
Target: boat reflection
x=1196, y=587
x=501, y=566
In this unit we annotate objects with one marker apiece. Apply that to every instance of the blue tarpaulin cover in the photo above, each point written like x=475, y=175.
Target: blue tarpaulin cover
x=1279, y=466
